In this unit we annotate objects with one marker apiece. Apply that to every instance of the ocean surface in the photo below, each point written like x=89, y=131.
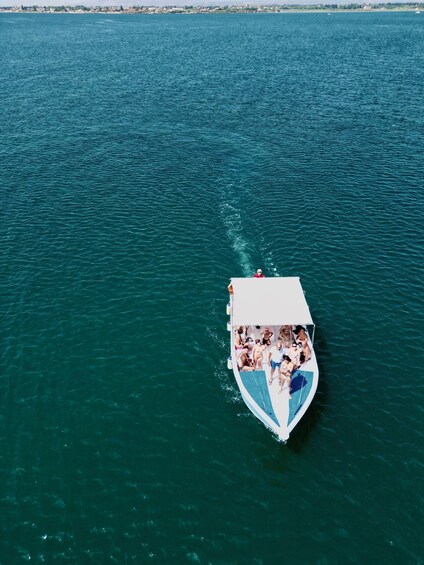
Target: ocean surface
x=143, y=161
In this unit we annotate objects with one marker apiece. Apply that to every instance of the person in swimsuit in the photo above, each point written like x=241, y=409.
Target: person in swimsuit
x=257, y=355
x=249, y=343
x=244, y=363
x=285, y=374
x=294, y=354
x=267, y=334
x=304, y=351
x=238, y=338
x=265, y=345
x=302, y=338
x=300, y=333
x=285, y=334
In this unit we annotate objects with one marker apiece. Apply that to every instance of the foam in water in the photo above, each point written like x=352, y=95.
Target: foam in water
x=269, y=261
x=233, y=223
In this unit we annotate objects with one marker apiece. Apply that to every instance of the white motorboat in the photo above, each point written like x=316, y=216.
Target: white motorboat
x=271, y=308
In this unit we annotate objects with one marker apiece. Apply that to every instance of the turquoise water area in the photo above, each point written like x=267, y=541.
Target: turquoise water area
x=144, y=161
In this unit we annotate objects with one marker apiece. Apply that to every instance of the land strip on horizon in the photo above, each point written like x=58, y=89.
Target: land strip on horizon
x=220, y=9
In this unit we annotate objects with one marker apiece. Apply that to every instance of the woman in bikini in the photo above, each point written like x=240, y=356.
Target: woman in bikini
x=285, y=335
x=257, y=355
x=305, y=351
x=302, y=339
x=285, y=374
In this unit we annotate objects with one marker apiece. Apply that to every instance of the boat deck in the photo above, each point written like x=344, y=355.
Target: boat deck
x=273, y=399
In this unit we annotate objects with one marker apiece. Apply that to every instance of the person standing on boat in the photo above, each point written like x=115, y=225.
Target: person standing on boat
x=294, y=354
x=259, y=274
x=276, y=354
x=267, y=334
x=285, y=373
x=257, y=355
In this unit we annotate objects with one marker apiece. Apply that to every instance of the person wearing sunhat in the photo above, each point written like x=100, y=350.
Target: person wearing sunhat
x=259, y=274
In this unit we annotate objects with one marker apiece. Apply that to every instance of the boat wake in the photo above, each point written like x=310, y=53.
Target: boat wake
x=220, y=342
x=233, y=224
x=270, y=267
x=268, y=256
x=230, y=389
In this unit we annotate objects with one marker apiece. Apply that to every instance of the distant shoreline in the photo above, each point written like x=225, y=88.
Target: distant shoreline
x=239, y=9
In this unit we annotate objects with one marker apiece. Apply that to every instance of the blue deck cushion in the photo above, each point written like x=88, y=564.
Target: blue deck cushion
x=300, y=387
x=257, y=386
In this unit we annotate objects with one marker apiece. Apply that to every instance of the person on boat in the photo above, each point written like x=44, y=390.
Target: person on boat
x=302, y=357
x=244, y=363
x=257, y=354
x=249, y=344
x=302, y=340
x=285, y=373
x=294, y=354
x=285, y=334
x=266, y=347
x=267, y=334
x=300, y=333
x=230, y=288
x=259, y=274
x=304, y=351
x=248, y=333
x=238, y=337
x=275, y=358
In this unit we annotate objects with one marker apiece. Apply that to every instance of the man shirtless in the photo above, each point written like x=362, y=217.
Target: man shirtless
x=257, y=354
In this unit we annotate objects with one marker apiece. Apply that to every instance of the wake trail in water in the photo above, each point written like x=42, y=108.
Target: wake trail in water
x=231, y=211
x=217, y=339
x=268, y=254
x=270, y=267
x=232, y=220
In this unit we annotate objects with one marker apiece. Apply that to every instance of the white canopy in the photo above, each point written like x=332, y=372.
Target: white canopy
x=269, y=302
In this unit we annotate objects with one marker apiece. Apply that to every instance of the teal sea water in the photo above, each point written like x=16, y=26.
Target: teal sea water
x=144, y=161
